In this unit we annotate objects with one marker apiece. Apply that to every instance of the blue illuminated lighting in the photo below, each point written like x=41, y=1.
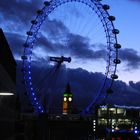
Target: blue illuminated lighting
x=136, y=131
x=127, y=107
x=103, y=106
x=42, y=111
x=33, y=93
x=113, y=130
x=32, y=37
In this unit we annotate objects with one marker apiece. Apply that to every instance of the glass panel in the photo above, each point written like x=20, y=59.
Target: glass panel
x=102, y=121
x=102, y=112
x=112, y=111
x=120, y=110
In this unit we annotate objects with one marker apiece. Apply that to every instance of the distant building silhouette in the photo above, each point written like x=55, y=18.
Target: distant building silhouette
x=7, y=85
x=7, y=66
x=54, y=127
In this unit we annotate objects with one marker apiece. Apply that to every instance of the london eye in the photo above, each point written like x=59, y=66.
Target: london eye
x=67, y=35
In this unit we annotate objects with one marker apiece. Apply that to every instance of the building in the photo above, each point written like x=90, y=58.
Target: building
x=7, y=66
x=67, y=100
x=111, y=122
x=7, y=87
x=54, y=127
x=117, y=122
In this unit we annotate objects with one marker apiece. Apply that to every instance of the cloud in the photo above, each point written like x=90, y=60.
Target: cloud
x=55, y=28
x=51, y=85
x=43, y=45
x=80, y=47
x=77, y=47
x=20, y=12
x=16, y=42
x=18, y=15
x=73, y=45
x=136, y=85
x=124, y=94
x=54, y=34
x=131, y=57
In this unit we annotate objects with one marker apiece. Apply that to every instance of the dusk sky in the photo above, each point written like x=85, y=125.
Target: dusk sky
x=127, y=21
x=83, y=28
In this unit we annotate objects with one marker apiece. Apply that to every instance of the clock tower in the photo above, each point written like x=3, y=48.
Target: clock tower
x=67, y=100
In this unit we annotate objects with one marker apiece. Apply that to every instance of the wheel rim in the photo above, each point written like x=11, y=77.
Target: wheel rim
x=111, y=37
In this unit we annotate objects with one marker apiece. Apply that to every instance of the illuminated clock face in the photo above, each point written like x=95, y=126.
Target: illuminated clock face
x=70, y=99
x=65, y=99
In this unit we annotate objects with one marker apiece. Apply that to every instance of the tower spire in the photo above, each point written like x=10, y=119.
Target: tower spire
x=68, y=88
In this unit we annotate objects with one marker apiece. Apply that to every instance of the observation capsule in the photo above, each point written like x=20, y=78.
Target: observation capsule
x=115, y=31
x=29, y=33
x=114, y=76
x=39, y=12
x=117, y=61
x=111, y=18
x=24, y=57
x=34, y=22
x=106, y=7
x=117, y=46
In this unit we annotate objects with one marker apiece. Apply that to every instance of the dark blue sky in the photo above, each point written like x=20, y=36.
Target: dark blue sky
x=15, y=20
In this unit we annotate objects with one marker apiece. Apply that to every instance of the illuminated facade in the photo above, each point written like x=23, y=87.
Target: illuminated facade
x=67, y=100
x=116, y=122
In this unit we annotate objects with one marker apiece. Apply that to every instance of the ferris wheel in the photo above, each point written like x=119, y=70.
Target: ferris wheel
x=56, y=39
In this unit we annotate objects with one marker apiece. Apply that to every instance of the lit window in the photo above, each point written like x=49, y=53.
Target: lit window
x=112, y=111
x=120, y=111
x=65, y=99
x=102, y=112
x=70, y=99
x=102, y=121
